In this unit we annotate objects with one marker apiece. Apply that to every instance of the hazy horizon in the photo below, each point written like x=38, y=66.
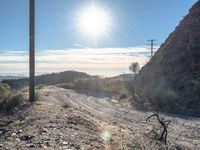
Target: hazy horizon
x=94, y=61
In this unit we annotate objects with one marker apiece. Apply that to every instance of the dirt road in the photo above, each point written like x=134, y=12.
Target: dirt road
x=65, y=119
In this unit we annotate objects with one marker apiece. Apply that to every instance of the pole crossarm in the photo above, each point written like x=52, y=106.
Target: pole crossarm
x=152, y=44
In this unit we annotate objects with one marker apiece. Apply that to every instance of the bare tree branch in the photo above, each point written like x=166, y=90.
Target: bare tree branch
x=164, y=123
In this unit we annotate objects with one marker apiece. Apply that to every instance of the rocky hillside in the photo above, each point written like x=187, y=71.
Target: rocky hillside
x=171, y=80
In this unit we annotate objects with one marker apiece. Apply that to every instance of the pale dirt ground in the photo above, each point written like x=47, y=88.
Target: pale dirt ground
x=65, y=120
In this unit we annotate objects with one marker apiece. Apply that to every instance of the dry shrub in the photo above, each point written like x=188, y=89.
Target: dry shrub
x=116, y=86
x=96, y=85
x=11, y=102
x=161, y=95
x=66, y=85
x=130, y=87
x=4, y=91
x=93, y=84
x=65, y=105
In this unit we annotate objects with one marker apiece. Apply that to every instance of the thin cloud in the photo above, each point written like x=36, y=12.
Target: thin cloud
x=98, y=61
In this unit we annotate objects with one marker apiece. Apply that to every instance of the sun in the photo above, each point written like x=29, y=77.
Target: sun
x=94, y=21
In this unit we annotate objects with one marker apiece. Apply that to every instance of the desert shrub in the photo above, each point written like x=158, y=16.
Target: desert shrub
x=130, y=86
x=65, y=104
x=11, y=101
x=4, y=91
x=161, y=95
x=66, y=85
x=40, y=87
x=82, y=84
x=99, y=85
x=93, y=84
x=115, y=86
x=37, y=95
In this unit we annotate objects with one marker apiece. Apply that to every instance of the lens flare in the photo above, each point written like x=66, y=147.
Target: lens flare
x=106, y=136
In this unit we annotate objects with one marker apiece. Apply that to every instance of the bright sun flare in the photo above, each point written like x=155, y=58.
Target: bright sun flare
x=94, y=21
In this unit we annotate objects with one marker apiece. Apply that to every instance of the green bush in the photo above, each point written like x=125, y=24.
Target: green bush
x=37, y=95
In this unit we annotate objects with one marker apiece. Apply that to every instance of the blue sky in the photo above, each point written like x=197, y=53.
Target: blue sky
x=133, y=22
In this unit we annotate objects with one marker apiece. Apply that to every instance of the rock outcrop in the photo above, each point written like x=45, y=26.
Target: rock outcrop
x=170, y=81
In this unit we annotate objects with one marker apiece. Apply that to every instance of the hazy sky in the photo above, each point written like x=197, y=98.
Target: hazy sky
x=59, y=40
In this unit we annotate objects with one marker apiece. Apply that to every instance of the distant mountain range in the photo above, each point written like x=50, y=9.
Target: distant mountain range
x=47, y=79
x=16, y=82
x=9, y=77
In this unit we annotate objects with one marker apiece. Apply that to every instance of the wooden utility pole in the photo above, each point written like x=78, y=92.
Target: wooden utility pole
x=152, y=44
x=31, y=50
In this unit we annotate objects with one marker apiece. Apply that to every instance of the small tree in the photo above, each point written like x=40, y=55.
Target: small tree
x=134, y=67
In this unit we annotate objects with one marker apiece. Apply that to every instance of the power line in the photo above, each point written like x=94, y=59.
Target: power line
x=152, y=44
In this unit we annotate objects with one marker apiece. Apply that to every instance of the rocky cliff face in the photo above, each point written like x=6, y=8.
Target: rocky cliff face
x=171, y=80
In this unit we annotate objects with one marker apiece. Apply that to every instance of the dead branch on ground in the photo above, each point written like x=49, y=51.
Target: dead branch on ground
x=164, y=123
